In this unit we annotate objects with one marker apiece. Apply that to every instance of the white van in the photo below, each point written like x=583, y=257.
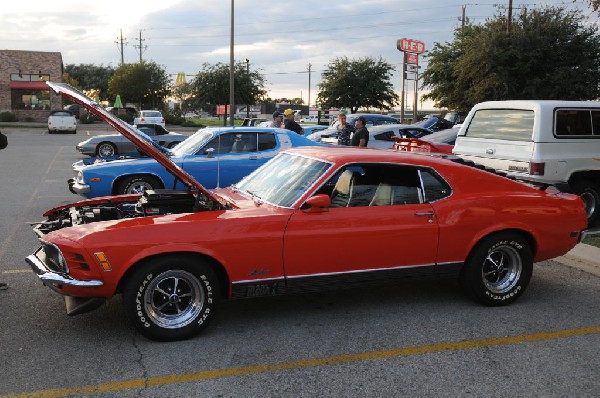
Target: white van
x=553, y=143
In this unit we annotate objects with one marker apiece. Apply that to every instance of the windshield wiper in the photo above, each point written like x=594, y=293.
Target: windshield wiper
x=256, y=198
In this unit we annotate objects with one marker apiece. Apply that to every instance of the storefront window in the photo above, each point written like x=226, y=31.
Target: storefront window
x=30, y=99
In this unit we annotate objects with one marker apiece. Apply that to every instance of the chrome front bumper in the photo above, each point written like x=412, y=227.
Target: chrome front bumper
x=77, y=188
x=50, y=277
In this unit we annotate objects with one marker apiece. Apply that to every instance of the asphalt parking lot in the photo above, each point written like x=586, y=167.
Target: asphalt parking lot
x=412, y=339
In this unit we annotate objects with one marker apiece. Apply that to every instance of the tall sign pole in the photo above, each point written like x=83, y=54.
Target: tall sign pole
x=410, y=69
x=403, y=84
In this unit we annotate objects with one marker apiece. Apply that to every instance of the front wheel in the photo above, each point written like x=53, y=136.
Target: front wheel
x=172, y=298
x=137, y=185
x=498, y=269
x=590, y=194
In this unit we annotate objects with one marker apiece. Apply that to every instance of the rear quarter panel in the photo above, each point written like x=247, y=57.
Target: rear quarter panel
x=482, y=204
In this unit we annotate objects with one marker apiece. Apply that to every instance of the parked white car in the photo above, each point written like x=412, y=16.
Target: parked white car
x=150, y=117
x=62, y=120
x=548, y=143
x=382, y=136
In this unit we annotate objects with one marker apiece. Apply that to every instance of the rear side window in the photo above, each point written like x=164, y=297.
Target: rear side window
x=502, y=124
x=266, y=141
x=385, y=136
x=577, y=122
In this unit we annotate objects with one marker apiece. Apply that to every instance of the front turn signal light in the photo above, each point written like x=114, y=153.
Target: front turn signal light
x=103, y=261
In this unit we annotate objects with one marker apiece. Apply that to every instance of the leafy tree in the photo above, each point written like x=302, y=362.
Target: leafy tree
x=146, y=84
x=548, y=54
x=211, y=86
x=89, y=76
x=356, y=84
x=291, y=101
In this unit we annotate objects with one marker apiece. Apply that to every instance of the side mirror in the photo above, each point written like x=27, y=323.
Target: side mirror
x=209, y=152
x=317, y=204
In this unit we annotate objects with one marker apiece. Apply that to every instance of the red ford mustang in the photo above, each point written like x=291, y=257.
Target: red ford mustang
x=312, y=218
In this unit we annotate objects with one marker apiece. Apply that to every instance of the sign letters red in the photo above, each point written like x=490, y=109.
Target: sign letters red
x=411, y=46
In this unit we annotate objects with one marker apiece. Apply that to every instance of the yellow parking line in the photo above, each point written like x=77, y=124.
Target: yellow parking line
x=304, y=363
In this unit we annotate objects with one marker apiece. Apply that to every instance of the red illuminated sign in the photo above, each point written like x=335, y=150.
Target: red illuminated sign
x=411, y=46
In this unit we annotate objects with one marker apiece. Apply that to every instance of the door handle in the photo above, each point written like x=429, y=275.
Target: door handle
x=490, y=151
x=428, y=214
x=253, y=157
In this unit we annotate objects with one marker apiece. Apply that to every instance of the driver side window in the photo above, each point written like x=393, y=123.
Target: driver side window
x=374, y=185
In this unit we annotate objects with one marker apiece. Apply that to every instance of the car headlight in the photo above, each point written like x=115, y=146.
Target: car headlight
x=79, y=179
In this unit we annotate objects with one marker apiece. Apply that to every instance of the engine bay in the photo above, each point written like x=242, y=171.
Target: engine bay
x=150, y=203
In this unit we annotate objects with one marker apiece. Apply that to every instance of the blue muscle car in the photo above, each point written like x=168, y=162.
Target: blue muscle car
x=216, y=157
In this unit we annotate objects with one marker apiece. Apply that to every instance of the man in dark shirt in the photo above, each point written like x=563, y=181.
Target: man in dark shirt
x=289, y=122
x=361, y=135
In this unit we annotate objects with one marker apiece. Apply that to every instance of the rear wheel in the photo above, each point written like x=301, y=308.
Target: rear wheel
x=590, y=194
x=498, y=269
x=137, y=185
x=172, y=298
x=106, y=149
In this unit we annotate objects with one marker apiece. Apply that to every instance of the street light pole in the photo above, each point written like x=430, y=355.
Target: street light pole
x=247, y=61
x=231, y=74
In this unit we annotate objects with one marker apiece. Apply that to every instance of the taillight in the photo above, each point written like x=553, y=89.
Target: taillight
x=536, y=169
x=142, y=120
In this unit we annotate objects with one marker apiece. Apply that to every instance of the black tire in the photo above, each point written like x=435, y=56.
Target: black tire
x=590, y=194
x=137, y=185
x=172, y=298
x=106, y=149
x=173, y=144
x=498, y=269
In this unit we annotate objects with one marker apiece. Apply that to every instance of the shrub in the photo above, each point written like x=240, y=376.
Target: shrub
x=174, y=119
x=126, y=118
x=7, y=117
x=29, y=119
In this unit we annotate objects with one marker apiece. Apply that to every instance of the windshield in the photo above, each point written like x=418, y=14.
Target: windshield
x=284, y=179
x=190, y=145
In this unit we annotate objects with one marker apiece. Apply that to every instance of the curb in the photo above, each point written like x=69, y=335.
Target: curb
x=583, y=257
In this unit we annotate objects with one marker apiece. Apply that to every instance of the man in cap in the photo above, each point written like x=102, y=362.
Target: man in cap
x=289, y=122
x=277, y=120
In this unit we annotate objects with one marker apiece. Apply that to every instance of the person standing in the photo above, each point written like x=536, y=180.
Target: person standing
x=290, y=123
x=361, y=135
x=277, y=120
x=344, y=130
x=3, y=144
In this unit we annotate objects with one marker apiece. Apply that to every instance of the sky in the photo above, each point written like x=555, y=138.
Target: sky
x=280, y=39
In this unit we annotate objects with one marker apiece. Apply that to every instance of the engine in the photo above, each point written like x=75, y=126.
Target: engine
x=151, y=203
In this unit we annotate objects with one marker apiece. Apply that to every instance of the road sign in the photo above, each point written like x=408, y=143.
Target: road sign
x=412, y=67
x=411, y=46
x=412, y=58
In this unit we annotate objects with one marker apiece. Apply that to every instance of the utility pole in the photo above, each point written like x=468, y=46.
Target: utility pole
x=140, y=46
x=247, y=61
x=462, y=18
x=509, y=16
x=121, y=42
x=231, y=75
x=309, y=71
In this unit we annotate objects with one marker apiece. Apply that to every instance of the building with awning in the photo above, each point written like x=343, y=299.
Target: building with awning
x=23, y=90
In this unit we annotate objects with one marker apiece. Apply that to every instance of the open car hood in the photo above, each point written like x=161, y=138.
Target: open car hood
x=139, y=139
